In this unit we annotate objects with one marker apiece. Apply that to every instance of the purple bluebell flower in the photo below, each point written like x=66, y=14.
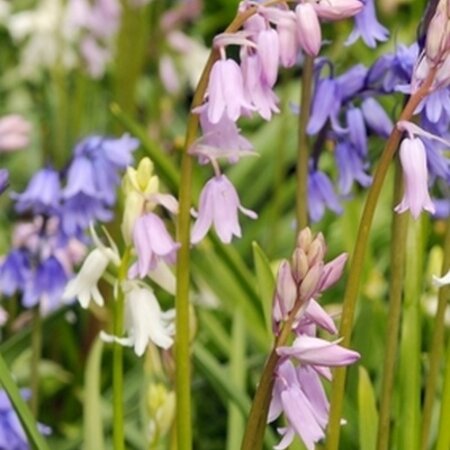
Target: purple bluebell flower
x=357, y=131
x=325, y=105
x=152, y=242
x=42, y=195
x=14, y=271
x=367, y=27
x=376, y=118
x=351, y=167
x=4, y=180
x=45, y=286
x=442, y=208
x=219, y=205
x=351, y=82
x=321, y=195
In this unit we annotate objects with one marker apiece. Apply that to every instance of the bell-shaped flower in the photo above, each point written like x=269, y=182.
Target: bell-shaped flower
x=14, y=271
x=226, y=91
x=219, y=205
x=309, y=31
x=268, y=51
x=84, y=285
x=144, y=320
x=258, y=92
x=320, y=195
x=14, y=133
x=42, y=194
x=287, y=36
x=315, y=351
x=152, y=243
x=414, y=164
x=376, y=118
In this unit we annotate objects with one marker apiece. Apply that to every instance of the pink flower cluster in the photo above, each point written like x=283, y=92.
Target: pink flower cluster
x=274, y=37
x=298, y=390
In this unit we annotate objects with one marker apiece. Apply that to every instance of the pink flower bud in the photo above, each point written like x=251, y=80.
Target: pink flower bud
x=300, y=264
x=337, y=9
x=287, y=35
x=304, y=239
x=286, y=292
x=308, y=286
x=268, y=50
x=309, y=32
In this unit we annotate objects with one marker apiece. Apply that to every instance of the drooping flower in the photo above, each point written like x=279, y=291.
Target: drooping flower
x=42, y=195
x=309, y=31
x=152, y=242
x=84, y=286
x=414, y=164
x=226, y=91
x=14, y=272
x=219, y=205
x=337, y=9
x=144, y=320
x=320, y=195
x=367, y=26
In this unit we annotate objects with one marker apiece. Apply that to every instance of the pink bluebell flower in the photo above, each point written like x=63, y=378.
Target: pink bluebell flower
x=219, y=205
x=309, y=31
x=414, y=164
x=152, y=243
x=14, y=133
x=337, y=9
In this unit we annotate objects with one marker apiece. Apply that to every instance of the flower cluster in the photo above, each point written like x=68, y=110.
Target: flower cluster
x=298, y=389
x=275, y=37
x=61, y=204
x=153, y=247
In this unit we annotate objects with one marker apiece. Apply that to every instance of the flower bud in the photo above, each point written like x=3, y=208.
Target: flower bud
x=309, y=285
x=300, y=264
x=304, y=239
x=286, y=292
x=317, y=249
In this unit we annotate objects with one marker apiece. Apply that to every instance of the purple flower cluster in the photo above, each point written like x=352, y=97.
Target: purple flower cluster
x=298, y=390
x=62, y=204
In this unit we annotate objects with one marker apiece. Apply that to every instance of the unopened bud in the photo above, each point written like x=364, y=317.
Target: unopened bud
x=286, y=292
x=437, y=33
x=332, y=271
x=309, y=285
x=304, y=239
x=317, y=249
x=300, y=264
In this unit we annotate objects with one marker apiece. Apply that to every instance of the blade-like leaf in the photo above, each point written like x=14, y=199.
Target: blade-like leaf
x=368, y=414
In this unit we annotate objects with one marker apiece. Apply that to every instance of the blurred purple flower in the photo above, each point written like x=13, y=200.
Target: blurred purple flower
x=4, y=180
x=376, y=118
x=42, y=195
x=321, y=195
x=14, y=272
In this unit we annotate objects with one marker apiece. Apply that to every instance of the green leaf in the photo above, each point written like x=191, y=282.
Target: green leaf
x=368, y=414
x=92, y=416
x=22, y=410
x=266, y=283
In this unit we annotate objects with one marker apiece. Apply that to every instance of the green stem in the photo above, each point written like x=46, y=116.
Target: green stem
x=257, y=419
x=303, y=150
x=182, y=338
x=357, y=263
x=437, y=346
x=443, y=438
x=407, y=424
x=36, y=353
x=118, y=324
x=24, y=414
x=398, y=247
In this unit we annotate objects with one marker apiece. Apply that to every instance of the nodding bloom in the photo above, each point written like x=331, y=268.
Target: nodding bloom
x=226, y=91
x=367, y=26
x=298, y=390
x=414, y=164
x=309, y=31
x=152, y=242
x=219, y=205
x=84, y=286
x=42, y=195
x=144, y=320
